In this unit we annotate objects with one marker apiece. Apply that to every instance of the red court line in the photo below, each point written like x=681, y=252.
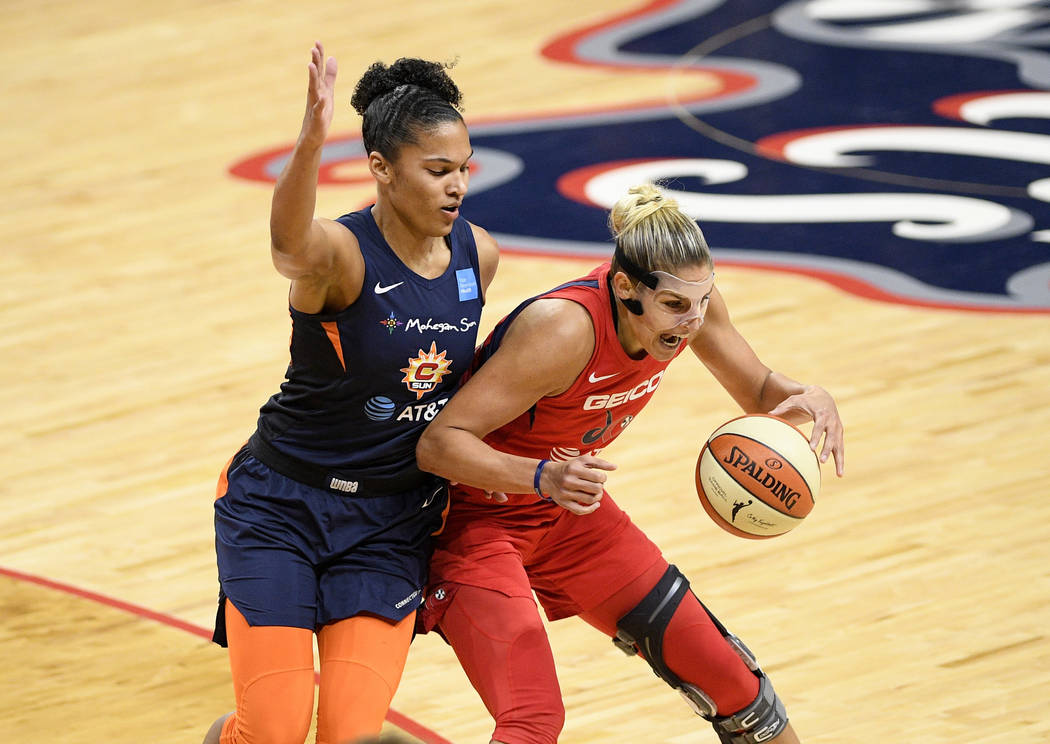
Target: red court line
x=398, y=719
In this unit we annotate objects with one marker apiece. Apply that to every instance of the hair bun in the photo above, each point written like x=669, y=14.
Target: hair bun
x=380, y=79
x=646, y=193
x=641, y=201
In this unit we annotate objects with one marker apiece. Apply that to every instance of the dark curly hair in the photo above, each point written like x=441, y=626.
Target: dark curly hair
x=403, y=100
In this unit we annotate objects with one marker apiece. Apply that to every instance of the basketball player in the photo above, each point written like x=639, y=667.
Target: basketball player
x=323, y=522
x=556, y=381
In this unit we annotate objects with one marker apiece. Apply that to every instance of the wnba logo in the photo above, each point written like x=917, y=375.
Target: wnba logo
x=346, y=486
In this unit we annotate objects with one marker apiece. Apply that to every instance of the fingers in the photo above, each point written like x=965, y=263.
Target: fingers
x=814, y=439
x=792, y=403
x=596, y=463
x=830, y=429
x=781, y=409
x=316, y=58
x=580, y=509
x=579, y=502
x=322, y=72
x=836, y=448
x=578, y=485
x=585, y=479
x=818, y=405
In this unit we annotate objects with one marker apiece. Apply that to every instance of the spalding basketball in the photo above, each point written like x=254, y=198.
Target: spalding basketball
x=757, y=477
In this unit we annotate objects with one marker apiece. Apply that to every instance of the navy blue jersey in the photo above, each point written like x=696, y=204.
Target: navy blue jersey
x=364, y=382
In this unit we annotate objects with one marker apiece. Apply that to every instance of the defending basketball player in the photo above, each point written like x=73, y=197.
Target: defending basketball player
x=323, y=522
x=557, y=381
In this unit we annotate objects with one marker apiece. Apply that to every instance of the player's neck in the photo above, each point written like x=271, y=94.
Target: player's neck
x=426, y=255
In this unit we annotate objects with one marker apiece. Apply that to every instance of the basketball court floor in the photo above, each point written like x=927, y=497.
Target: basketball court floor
x=872, y=177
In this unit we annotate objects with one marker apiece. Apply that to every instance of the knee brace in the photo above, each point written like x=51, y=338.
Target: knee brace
x=642, y=629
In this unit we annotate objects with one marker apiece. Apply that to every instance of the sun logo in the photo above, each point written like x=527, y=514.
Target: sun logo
x=424, y=372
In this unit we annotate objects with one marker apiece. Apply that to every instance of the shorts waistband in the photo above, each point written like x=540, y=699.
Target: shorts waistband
x=339, y=481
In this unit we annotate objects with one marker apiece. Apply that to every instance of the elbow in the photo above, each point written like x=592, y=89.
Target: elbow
x=427, y=453
x=286, y=266
x=280, y=248
x=289, y=239
x=283, y=245
x=280, y=236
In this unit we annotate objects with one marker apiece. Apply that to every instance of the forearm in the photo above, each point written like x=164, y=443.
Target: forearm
x=460, y=456
x=294, y=199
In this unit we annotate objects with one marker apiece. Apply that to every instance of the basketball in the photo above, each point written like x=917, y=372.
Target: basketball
x=757, y=477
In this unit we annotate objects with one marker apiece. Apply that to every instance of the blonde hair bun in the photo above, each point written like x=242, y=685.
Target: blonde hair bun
x=641, y=201
x=654, y=233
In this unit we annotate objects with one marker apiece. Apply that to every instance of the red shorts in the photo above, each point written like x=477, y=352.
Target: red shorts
x=572, y=562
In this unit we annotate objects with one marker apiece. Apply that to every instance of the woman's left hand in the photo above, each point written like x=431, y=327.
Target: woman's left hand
x=817, y=404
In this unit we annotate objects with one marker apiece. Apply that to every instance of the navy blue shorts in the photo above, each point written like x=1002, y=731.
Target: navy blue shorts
x=298, y=556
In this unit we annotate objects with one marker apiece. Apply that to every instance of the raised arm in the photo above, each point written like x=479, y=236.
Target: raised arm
x=542, y=354
x=319, y=256
x=758, y=389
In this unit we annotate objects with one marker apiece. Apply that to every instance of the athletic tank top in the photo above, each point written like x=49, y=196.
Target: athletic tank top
x=364, y=382
x=606, y=396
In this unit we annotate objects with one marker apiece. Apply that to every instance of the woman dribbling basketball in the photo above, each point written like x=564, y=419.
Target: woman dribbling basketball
x=557, y=381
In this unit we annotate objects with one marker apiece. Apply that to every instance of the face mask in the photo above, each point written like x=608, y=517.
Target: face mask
x=673, y=302
x=665, y=301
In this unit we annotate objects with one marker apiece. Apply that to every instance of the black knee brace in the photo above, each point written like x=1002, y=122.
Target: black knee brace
x=642, y=629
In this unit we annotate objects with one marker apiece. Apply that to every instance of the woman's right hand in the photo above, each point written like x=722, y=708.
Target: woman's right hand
x=319, y=98
x=577, y=484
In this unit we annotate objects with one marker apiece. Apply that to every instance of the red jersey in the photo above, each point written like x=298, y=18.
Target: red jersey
x=606, y=396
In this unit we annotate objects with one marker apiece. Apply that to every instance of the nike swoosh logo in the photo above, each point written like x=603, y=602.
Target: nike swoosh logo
x=430, y=499
x=599, y=378
x=381, y=289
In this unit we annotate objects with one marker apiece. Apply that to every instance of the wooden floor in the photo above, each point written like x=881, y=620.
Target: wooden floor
x=142, y=325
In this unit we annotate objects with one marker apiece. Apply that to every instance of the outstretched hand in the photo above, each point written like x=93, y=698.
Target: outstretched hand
x=817, y=404
x=577, y=484
x=320, y=98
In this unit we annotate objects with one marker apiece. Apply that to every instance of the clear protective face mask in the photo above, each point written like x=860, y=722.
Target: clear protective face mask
x=665, y=301
x=673, y=302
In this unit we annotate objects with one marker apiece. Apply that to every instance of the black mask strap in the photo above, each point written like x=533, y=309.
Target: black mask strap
x=633, y=270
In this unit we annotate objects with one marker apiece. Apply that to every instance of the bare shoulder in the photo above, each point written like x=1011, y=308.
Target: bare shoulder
x=342, y=240
x=348, y=263
x=488, y=253
x=558, y=317
x=331, y=271
x=556, y=337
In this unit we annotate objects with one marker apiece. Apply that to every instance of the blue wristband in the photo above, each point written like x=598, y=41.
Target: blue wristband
x=536, y=481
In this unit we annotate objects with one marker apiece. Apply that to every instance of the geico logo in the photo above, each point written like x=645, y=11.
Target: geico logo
x=595, y=402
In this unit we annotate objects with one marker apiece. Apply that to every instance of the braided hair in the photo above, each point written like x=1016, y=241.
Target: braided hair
x=401, y=101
